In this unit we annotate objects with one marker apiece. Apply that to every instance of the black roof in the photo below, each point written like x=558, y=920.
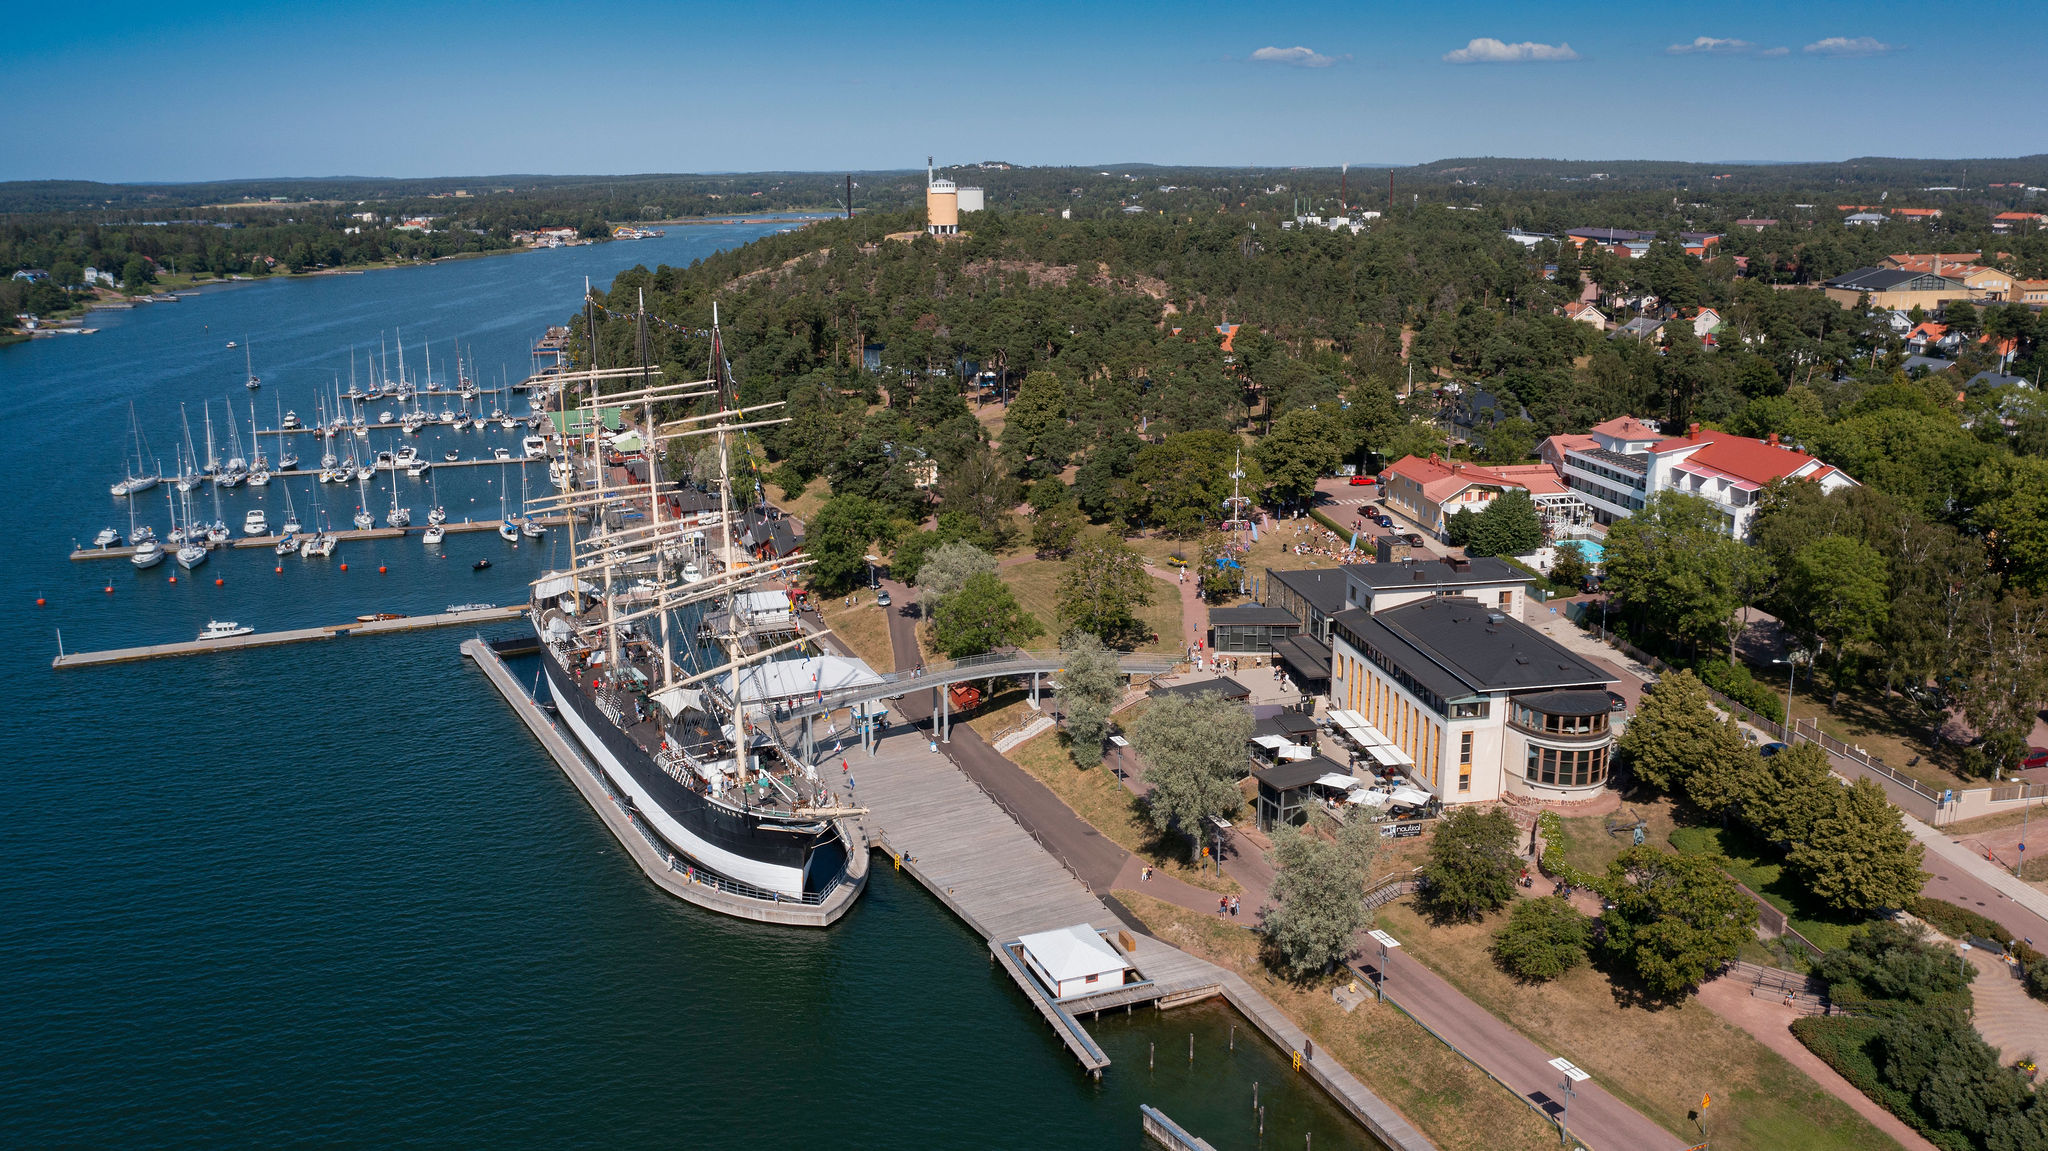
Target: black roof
x=1567, y=702
x=1250, y=613
x=1886, y=279
x=1456, y=648
x=1323, y=588
x=1287, y=723
x=1300, y=773
x=1436, y=573
x=1305, y=654
x=1221, y=685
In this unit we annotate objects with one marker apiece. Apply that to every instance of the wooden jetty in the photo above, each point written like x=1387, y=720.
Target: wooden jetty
x=667, y=872
x=960, y=843
x=478, y=617
x=451, y=528
x=1167, y=1133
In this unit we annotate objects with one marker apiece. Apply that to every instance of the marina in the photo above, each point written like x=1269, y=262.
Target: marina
x=343, y=535
x=474, y=616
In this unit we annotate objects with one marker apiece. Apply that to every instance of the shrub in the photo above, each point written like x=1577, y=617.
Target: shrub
x=1542, y=939
x=1739, y=685
x=1472, y=866
x=1958, y=922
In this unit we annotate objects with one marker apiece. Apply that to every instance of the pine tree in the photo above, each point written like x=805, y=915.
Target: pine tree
x=1670, y=727
x=1859, y=857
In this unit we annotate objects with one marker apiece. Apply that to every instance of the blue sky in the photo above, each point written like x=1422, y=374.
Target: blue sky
x=209, y=89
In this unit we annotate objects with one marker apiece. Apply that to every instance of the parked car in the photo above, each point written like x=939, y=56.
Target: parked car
x=1383, y=521
x=1372, y=511
x=2035, y=757
x=1412, y=539
x=1361, y=481
x=1770, y=749
x=1615, y=702
x=882, y=598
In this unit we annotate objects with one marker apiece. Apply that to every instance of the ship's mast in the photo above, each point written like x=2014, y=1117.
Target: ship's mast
x=726, y=404
x=668, y=665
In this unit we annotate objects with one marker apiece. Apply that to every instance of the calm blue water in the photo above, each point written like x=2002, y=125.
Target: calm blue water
x=332, y=894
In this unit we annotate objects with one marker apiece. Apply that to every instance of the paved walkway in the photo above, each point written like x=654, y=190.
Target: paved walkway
x=2007, y=1017
x=1770, y=1021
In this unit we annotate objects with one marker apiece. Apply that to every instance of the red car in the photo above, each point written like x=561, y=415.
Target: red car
x=2035, y=757
x=1363, y=481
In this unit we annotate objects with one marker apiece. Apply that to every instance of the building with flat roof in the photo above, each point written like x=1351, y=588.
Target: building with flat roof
x=1250, y=627
x=1484, y=704
x=1897, y=288
x=1310, y=595
x=1488, y=579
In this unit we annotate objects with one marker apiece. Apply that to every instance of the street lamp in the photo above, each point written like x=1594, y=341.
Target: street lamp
x=1387, y=943
x=1571, y=1075
x=1792, y=658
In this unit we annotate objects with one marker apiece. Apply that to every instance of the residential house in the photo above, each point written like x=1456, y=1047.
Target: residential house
x=1481, y=704
x=1704, y=321
x=1428, y=492
x=32, y=276
x=1640, y=328
x=1921, y=215
x=2029, y=292
x=1756, y=225
x=1586, y=313
x=1528, y=239
x=2007, y=222
x=1930, y=339
x=1895, y=288
x=1863, y=220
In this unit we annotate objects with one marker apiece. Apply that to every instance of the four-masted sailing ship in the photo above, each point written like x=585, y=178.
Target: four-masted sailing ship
x=696, y=753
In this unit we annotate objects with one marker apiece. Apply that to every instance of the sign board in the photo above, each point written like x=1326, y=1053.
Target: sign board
x=1570, y=1072
x=1383, y=939
x=1401, y=831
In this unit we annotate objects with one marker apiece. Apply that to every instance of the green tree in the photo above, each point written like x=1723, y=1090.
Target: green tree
x=979, y=487
x=1509, y=441
x=1194, y=750
x=1722, y=778
x=1034, y=422
x=1888, y=962
x=1675, y=919
x=946, y=569
x=2009, y=498
x=1509, y=526
x=1838, y=592
x=1319, y=890
x=1859, y=856
x=1673, y=567
x=135, y=273
x=1793, y=789
x=1090, y=686
x=1102, y=589
x=1302, y=447
x=1672, y=724
x=1542, y=939
x=1472, y=866
x=837, y=541
x=1054, y=530
x=1570, y=566
x=981, y=617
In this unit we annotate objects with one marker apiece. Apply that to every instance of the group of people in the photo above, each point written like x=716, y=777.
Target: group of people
x=1226, y=905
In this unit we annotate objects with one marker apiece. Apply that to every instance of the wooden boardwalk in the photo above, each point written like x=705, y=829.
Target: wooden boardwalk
x=478, y=617
x=959, y=842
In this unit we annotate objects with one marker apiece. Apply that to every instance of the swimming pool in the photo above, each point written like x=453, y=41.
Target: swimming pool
x=1592, y=551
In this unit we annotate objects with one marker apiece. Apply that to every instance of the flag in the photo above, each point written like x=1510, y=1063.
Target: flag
x=1354, y=539
x=1704, y=1100
x=1255, y=530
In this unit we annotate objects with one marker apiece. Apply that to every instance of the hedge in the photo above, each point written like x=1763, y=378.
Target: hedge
x=1739, y=685
x=1957, y=922
x=1844, y=1043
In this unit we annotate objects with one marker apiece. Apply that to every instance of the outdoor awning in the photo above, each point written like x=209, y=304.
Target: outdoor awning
x=675, y=700
x=1367, y=797
x=1410, y=796
x=1389, y=756
x=1347, y=782
x=1270, y=742
x=1292, y=751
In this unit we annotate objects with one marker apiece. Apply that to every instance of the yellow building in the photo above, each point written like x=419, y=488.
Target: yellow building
x=1897, y=289
x=941, y=203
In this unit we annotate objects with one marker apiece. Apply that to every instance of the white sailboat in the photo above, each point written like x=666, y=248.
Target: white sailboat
x=528, y=526
x=364, y=519
x=507, y=529
x=192, y=550
x=321, y=543
x=253, y=382
x=218, y=532
x=141, y=479
x=437, y=515
x=397, y=517
x=190, y=475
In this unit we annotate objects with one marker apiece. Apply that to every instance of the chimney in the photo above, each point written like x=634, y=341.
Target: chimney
x=1692, y=432
x=1772, y=439
x=1457, y=466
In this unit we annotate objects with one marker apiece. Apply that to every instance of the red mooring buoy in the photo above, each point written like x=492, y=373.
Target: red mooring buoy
x=380, y=569
x=39, y=601
x=219, y=582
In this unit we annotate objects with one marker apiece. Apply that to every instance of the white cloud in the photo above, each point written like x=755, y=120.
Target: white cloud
x=1849, y=46
x=1712, y=45
x=1487, y=50
x=1296, y=57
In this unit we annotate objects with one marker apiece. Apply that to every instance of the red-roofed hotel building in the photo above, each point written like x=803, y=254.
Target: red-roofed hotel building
x=1628, y=459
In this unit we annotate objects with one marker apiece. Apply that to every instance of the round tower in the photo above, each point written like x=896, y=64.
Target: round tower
x=941, y=203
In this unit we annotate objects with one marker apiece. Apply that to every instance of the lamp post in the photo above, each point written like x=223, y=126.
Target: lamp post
x=1571, y=1075
x=1792, y=658
x=1387, y=943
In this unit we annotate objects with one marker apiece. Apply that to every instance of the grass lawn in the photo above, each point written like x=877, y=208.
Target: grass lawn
x=1887, y=728
x=805, y=504
x=1762, y=870
x=1658, y=1060
x=1109, y=807
x=1446, y=1098
x=1588, y=846
x=1036, y=584
x=861, y=627
x=1007, y=710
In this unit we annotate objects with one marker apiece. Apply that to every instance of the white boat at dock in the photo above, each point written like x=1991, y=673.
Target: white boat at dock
x=224, y=629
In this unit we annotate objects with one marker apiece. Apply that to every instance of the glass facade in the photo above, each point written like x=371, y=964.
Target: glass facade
x=1567, y=767
x=1543, y=723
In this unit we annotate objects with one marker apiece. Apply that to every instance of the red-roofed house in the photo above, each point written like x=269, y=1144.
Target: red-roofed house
x=1430, y=491
x=1918, y=213
x=1731, y=471
x=1930, y=338
x=1704, y=320
x=1586, y=313
x=1607, y=468
x=2018, y=221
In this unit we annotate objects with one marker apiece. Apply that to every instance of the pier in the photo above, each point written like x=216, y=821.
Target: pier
x=252, y=542
x=956, y=840
x=477, y=616
x=667, y=872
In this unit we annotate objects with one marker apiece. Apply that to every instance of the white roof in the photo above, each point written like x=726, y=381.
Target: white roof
x=785, y=679
x=1368, y=797
x=1389, y=755
x=1410, y=796
x=1072, y=953
x=559, y=583
x=762, y=602
x=1333, y=779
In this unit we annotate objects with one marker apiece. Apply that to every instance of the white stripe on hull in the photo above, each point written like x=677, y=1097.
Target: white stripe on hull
x=787, y=880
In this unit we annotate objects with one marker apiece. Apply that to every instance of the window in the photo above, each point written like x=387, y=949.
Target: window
x=1572, y=767
x=1507, y=598
x=1465, y=751
x=1465, y=780
x=1469, y=710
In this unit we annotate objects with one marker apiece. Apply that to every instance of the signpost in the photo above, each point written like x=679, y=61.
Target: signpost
x=1571, y=1075
x=1387, y=943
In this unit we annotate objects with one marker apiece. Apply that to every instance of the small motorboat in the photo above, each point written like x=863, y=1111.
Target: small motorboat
x=255, y=523
x=233, y=344
x=149, y=554
x=107, y=538
x=373, y=617
x=291, y=419
x=479, y=565
x=532, y=528
x=319, y=545
x=224, y=629
x=451, y=456
x=501, y=454
x=536, y=447
x=434, y=534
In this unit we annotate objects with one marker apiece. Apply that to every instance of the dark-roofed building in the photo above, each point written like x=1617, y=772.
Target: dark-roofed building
x=1312, y=595
x=1307, y=660
x=1482, y=702
x=1221, y=685
x=1288, y=792
x=1896, y=288
x=769, y=536
x=1488, y=579
x=1250, y=627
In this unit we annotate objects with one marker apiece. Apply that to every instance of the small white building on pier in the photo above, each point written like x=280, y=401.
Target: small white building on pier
x=1073, y=961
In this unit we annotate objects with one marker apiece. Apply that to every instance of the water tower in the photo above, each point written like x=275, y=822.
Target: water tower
x=941, y=203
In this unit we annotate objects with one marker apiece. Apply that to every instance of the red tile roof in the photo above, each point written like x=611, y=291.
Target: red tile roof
x=1441, y=479
x=1738, y=456
x=1628, y=428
